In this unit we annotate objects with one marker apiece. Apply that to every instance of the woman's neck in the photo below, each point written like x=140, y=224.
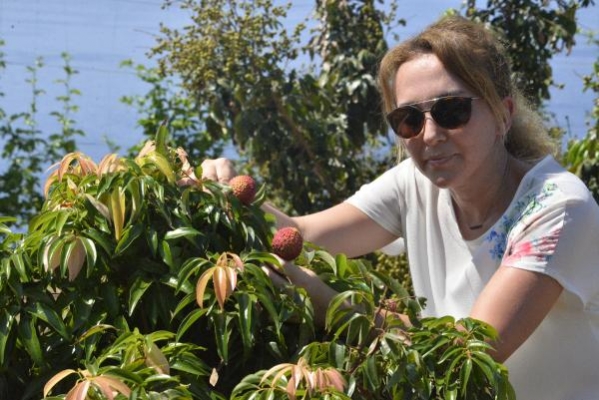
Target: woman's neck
x=480, y=205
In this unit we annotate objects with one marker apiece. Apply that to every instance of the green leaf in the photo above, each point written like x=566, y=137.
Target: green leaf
x=48, y=315
x=124, y=375
x=152, y=238
x=189, y=320
x=341, y=265
x=100, y=238
x=161, y=162
x=182, y=232
x=91, y=253
x=369, y=370
x=138, y=288
x=465, y=376
x=222, y=334
x=61, y=220
x=451, y=394
x=166, y=254
x=29, y=339
x=398, y=289
x=442, y=341
x=189, y=268
x=128, y=237
x=245, y=305
x=338, y=308
x=162, y=138
x=94, y=330
x=337, y=353
x=485, y=367
x=6, y=323
x=190, y=364
x=19, y=264
x=267, y=302
x=136, y=189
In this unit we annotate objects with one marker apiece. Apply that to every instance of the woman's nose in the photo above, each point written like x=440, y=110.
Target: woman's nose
x=432, y=132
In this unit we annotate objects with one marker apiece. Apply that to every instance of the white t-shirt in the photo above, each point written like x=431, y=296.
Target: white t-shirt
x=551, y=226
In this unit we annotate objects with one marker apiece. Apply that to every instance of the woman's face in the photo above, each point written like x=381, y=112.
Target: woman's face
x=450, y=158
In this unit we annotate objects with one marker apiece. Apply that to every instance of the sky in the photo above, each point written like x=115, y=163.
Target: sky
x=100, y=34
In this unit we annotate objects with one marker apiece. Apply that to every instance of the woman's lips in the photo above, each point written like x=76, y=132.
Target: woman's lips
x=437, y=161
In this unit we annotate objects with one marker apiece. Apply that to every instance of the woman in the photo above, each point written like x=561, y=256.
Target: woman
x=494, y=228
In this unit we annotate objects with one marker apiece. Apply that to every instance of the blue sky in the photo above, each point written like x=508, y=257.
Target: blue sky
x=100, y=34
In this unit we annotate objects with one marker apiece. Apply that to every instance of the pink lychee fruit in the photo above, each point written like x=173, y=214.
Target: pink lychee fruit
x=244, y=188
x=287, y=243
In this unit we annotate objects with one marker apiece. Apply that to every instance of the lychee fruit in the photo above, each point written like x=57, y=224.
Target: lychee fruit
x=287, y=243
x=244, y=188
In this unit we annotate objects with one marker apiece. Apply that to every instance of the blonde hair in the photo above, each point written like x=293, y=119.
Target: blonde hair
x=474, y=55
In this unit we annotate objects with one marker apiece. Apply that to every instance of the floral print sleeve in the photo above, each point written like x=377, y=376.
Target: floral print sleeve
x=518, y=235
x=533, y=227
x=552, y=228
x=539, y=249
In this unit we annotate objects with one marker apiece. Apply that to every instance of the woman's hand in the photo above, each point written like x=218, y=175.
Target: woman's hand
x=218, y=170
x=319, y=292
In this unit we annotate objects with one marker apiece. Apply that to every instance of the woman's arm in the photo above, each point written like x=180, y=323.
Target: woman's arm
x=514, y=302
x=344, y=229
x=339, y=229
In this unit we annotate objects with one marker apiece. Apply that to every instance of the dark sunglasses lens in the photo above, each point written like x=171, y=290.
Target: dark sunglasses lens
x=452, y=112
x=406, y=122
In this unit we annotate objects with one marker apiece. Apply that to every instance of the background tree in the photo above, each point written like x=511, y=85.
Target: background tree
x=312, y=133
x=582, y=156
x=315, y=133
x=534, y=31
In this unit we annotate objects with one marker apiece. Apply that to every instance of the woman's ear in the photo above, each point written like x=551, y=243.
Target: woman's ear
x=510, y=108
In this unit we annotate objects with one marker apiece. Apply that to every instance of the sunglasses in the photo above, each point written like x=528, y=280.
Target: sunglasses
x=447, y=112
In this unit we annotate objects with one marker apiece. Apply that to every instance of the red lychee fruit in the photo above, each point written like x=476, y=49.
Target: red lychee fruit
x=287, y=243
x=244, y=188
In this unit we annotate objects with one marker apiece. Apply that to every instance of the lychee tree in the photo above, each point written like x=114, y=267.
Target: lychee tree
x=139, y=280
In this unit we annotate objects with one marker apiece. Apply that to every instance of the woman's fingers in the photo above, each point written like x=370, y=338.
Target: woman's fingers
x=219, y=170
x=277, y=278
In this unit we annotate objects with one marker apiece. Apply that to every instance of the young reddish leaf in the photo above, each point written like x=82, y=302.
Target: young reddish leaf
x=335, y=379
x=109, y=164
x=201, y=285
x=64, y=165
x=237, y=260
x=108, y=385
x=222, y=285
x=76, y=258
x=86, y=165
x=57, y=378
x=53, y=177
x=278, y=371
x=79, y=391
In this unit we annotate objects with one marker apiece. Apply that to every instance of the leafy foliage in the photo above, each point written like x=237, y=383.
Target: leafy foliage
x=136, y=279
